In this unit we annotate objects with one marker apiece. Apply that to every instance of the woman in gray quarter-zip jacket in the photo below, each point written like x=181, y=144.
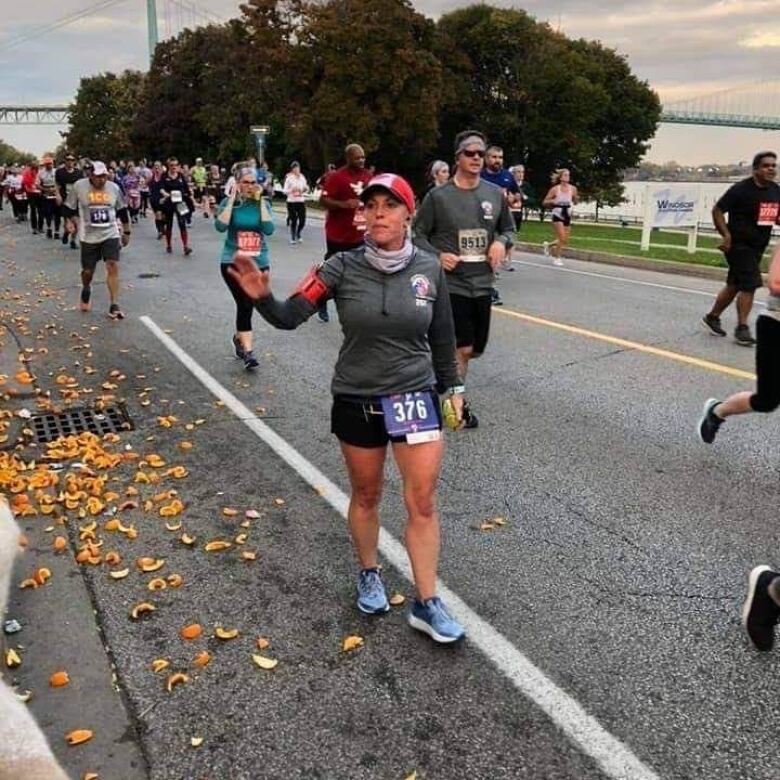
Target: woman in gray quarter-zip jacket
x=398, y=348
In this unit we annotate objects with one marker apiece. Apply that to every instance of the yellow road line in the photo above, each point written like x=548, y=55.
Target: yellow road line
x=634, y=345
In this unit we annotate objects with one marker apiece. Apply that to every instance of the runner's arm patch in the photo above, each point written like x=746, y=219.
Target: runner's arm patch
x=312, y=288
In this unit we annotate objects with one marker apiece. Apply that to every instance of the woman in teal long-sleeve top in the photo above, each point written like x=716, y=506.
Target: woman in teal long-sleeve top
x=246, y=218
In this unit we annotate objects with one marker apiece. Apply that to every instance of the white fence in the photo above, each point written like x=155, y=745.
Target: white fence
x=634, y=208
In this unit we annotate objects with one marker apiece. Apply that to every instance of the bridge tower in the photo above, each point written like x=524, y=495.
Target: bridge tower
x=151, y=26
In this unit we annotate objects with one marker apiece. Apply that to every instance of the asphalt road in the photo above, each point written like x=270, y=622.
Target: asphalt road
x=619, y=574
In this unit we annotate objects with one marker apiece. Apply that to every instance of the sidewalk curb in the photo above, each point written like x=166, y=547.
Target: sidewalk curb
x=641, y=263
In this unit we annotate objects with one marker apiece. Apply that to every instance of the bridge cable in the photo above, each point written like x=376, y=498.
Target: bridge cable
x=62, y=22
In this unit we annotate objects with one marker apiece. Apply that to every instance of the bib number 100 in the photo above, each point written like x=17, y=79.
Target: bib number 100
x=406, y=411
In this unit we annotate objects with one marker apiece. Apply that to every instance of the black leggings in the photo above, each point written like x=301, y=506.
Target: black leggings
x=244, y=304
x=51, y=211
x=296, y=219
x=36, y=211
x=168, y=215
x=144, y=201
x=767, y=395
x=19, y=207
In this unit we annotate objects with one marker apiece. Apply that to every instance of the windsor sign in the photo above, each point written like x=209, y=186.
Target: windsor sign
x=671, y=206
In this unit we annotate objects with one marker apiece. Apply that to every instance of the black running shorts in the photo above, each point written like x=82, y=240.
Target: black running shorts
x=472, y=321
x=744, y=268
x=362, y=424
x=92, y=253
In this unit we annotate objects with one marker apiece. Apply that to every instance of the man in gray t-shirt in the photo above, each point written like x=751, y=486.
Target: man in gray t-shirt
x=466, y=223
x=97, y=204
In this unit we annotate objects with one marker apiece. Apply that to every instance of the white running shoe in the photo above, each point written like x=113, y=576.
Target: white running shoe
x=557, y=261
x=546, y=248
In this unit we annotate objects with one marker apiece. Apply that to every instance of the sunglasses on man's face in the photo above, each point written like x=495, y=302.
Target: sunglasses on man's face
x=473, y=153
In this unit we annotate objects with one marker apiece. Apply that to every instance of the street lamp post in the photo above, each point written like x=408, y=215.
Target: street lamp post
x=260, y=132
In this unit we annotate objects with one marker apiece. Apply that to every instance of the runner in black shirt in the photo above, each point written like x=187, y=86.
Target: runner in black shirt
x=753, y=206
x=175, y=200
x=66, y=177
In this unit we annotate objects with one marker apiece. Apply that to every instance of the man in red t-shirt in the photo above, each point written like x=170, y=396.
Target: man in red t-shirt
x=345, y=225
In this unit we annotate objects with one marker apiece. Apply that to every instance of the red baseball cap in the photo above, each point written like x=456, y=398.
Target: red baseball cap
x=396, y=185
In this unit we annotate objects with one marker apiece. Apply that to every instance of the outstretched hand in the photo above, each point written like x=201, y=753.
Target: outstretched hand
x=254, y=282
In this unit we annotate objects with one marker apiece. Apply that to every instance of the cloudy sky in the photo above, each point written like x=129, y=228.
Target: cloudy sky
x=682, y=49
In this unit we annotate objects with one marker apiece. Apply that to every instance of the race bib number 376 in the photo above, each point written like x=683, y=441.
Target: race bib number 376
x=412, y=415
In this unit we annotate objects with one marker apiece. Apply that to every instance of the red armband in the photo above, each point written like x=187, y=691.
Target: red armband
x=312, y=288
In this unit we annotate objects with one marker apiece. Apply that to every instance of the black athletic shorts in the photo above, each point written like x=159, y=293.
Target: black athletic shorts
x=472, y=321
x=744, y=268
x=92, y=253
x=360, y=422
x=565, y=217
x=198, y=193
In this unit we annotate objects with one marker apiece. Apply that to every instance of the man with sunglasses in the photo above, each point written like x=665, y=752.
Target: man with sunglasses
x=97, y=204
x=467, y=224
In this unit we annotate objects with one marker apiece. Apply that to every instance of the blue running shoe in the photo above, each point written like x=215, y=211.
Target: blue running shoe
x=372, y=598
x=237, y=348
x=431, y=617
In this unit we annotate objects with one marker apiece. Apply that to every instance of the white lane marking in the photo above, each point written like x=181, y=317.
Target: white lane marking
x=614, y=758
x=612, y=278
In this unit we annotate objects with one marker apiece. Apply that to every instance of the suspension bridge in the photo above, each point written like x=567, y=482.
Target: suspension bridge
x=754, y=106
x=750, y=106
x=162, y=23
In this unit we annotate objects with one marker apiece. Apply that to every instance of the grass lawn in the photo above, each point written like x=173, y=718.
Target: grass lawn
x=615, y=240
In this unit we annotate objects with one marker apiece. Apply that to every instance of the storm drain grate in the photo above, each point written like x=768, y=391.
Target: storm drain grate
x=72, y=422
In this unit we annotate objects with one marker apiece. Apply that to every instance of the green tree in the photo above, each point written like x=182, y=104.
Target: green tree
x=10, y=154
x=102, y=113
x=371, y=77
x=550, y=102
x=197, y=100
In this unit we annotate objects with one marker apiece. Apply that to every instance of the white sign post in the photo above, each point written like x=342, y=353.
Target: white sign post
x=671, y=205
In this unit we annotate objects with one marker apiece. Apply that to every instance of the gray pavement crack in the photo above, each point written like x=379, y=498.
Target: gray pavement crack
x=584, y=517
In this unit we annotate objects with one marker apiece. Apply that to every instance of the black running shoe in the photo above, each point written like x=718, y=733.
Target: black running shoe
x=712, y=323
x=495, y=298
x=250, y=361
x=73, y=244
x=237, y=348
x=169, y=250
x=469, y=418
x=743, y=337
x=115, y=312
x=48, y=233
x=187, y=251
x=760, y=612
x=64, y=239
x=56, y=234
x=709, y=422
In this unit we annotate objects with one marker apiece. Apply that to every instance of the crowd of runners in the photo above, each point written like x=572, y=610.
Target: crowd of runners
x=413, y=281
